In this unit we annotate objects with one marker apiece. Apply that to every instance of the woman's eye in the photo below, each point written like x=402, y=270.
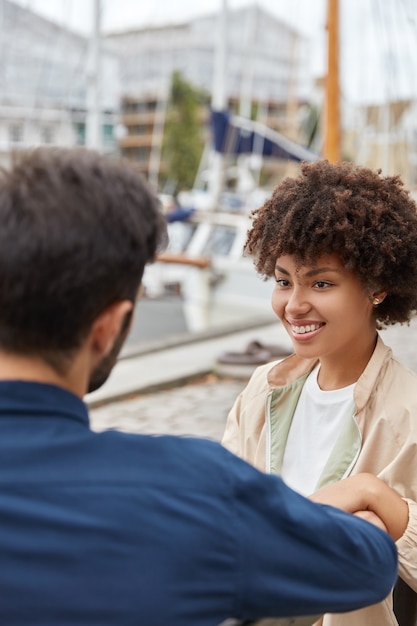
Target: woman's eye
x=282, y=282
x=322, y=284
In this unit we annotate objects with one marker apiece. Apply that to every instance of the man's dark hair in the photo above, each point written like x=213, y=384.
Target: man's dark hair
x=76, y=230
x=369, y=220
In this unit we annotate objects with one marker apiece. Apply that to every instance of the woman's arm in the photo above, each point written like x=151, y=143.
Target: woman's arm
x=367, y=493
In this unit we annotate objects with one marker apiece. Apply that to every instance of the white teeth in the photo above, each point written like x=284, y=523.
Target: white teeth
x=300, y=330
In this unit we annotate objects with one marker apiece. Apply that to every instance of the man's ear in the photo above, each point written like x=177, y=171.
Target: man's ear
x=107, y=326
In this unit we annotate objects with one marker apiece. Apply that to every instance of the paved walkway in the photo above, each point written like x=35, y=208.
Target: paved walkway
x=173, y=364
x=198, y=408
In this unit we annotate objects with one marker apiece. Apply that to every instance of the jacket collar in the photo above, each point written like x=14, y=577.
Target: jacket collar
x=294, y=367
x=289, y=370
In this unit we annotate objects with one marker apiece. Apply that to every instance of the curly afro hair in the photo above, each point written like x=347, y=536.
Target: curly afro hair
x=369, y=220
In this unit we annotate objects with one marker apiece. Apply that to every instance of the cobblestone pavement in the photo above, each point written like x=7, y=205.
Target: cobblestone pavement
x=201, y=408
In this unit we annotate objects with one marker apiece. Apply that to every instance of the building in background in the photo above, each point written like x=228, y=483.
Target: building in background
x=45, y=71
x=267, y=76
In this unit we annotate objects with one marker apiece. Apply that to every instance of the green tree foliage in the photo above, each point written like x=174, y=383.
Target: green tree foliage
x=183, y=142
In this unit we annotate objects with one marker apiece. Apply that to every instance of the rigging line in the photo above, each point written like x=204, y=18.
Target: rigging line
x=410, y=40
x=402, y=38
x=389, y=22
x=378, y=35
x=353, y=81
x=406, y=5
x=410, y=17
x=404, y=80
x=411, y=22
x=389, y=71
x=384, y=110
x=399, y=47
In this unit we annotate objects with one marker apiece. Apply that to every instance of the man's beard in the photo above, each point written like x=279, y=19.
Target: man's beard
x=103, y=369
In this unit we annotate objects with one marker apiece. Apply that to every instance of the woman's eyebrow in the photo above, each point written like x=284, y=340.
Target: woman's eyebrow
x=310, y=273
x=321, y=270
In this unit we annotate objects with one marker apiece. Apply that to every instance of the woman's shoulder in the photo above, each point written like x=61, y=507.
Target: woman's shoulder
x=393, y=365
x=399, y=374
x=396, y=386
x=385, y=367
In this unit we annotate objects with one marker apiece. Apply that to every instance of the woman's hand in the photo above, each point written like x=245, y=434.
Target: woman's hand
x=373, y=518
x=368, y=497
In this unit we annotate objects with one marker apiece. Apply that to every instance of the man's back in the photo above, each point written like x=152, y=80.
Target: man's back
x=104, y=528
x=116, y=529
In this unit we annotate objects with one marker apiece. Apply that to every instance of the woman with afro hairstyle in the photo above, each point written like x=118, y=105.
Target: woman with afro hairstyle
x=341, y=242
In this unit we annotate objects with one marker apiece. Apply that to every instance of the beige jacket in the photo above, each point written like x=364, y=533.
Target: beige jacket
x=381, y=438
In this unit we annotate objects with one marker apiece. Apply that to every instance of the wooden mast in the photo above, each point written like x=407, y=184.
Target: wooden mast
x=332, y=132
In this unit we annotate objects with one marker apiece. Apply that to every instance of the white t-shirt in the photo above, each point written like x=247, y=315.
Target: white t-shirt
x=316, y=424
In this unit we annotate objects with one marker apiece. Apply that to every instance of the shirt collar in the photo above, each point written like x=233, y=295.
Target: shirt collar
x=31, y=399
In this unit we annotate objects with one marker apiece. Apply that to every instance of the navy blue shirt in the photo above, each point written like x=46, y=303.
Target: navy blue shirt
x=114, y=529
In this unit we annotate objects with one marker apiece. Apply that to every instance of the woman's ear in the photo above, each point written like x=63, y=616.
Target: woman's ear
x=377, y=297
x=107, y=326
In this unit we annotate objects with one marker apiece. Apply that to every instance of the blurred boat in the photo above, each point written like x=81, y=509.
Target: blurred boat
x=204, y=266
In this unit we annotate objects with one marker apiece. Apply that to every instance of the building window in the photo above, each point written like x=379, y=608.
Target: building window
x=129, y=107
x=108, y=135
x=47, y=134
x=16, y=133
x=140, y=129
x=140, y=155
x=80, y=132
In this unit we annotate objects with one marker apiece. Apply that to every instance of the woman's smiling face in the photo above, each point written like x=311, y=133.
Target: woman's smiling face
x=324, y=307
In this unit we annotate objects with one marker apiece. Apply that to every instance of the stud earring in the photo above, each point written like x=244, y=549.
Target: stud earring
x=376, y=301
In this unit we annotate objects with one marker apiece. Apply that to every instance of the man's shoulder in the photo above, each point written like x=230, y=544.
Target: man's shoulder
x=186, y=460
x=166, y=443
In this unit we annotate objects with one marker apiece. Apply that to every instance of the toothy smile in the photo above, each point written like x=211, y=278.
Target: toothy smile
x=308, y=328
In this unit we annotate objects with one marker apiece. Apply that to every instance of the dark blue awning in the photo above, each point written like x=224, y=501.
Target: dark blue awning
x=236, y=135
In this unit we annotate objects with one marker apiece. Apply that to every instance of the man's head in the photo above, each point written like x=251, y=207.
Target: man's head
x=76, y=230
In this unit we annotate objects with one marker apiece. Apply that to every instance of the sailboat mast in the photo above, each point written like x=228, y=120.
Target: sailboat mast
x=332, y=132
x=219, y=103
x=93, y=121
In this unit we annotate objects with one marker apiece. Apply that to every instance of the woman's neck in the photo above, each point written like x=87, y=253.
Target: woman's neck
x=338, y=372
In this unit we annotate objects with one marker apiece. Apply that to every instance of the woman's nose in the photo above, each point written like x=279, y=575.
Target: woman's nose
x=297, y=302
